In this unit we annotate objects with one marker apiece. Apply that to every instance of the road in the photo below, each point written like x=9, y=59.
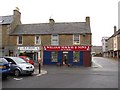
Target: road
x=103, y=74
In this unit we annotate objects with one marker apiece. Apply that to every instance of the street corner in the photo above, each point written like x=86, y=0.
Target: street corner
x=40, y=73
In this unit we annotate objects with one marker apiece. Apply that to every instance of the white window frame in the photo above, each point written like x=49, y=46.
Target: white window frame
x=36, y=40
x=74, y=43
x=18, y=38
x=57, y=40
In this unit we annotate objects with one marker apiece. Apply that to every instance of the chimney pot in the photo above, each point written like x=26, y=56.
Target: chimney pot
x=88, y=20
x=115, y=28
x=51, y=21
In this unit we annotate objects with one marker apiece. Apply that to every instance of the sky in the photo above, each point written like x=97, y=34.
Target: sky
x=103, y=13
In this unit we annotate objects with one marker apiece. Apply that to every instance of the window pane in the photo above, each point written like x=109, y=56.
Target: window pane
x=37, y=40
x=76, y=39
x=76, y=56
x=54, y=56
x=54, y=40
x=20, y=40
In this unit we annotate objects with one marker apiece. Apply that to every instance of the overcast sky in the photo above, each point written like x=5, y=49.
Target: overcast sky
x=103, y=13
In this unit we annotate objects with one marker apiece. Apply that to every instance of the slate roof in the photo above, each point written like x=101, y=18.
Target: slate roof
x=117, y=33
x=57, y=28
x=6, y=19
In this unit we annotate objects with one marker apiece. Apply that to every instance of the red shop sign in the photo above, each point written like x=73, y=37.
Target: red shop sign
x=66, y=48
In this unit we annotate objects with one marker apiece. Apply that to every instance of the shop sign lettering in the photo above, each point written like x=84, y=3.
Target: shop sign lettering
x=66, y=48
x=29, y=48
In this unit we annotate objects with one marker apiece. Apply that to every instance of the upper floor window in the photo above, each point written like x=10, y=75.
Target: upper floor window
x=37, y=40
x=76, y=39
x=54, y=39
x=20, y=40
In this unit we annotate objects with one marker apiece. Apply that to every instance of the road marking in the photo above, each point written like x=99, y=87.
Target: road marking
x=38, y=75
x=18, y=78
x=42, y=72
x=96, y=64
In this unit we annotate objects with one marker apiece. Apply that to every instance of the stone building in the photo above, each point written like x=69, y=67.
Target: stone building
x=97, y=50
x=53, y=42
x=114, y=44
x=7, y=26
x=104, y=46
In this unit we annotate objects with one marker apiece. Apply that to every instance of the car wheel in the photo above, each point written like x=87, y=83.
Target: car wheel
x=17, y=73
x=30, y=74
x=4, y=77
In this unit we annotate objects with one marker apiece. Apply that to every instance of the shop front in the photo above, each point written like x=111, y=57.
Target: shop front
x=31, y=51
x=67, y=55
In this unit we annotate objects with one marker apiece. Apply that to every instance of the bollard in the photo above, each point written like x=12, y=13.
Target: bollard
x=39, y=68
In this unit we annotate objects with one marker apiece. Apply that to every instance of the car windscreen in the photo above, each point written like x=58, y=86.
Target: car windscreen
x=18, y=60
x=2, y=60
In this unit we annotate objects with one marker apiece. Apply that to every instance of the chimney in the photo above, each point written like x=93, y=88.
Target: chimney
x=51, y=21
x=115, y=28
x=17, y=14
x=16, y=19
x=88, y=21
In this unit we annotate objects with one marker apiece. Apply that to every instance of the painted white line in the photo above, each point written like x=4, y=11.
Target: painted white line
x=42, y=72
x=96, y=64
x=38, y=75
x=99, y=65
x=18, y=79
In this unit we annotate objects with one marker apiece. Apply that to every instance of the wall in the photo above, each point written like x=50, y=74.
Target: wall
x=110, y=44
x=64, y=40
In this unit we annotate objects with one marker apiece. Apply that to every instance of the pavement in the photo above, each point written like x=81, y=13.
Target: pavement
x=42, y=72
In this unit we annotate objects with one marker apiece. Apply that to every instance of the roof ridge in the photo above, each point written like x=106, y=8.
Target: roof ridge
x=6, y=16
x=48, y=23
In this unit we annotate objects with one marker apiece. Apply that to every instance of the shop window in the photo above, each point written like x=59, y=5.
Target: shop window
x=54, y=56
x=37, y=40
x=19, y=40
x=76, y=39
x=76, y=56
x=54, y=39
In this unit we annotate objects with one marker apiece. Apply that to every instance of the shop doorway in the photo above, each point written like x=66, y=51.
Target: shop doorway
x=65, y=58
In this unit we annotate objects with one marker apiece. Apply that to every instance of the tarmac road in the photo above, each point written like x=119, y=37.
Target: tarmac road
x=103, y=74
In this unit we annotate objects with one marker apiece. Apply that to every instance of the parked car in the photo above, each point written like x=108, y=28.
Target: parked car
x=4, y=68
x=20, y=66
x=27, y=59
